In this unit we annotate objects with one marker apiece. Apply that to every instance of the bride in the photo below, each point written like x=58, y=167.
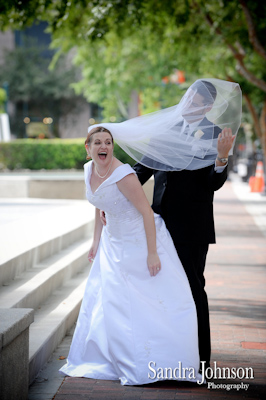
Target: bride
x=137, y=321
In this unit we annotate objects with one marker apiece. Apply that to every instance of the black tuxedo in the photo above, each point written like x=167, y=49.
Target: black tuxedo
x=184, y=199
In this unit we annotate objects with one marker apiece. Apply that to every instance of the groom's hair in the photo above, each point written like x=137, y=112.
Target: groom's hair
x=205, y=89
x=96, y=130
x=211, y=90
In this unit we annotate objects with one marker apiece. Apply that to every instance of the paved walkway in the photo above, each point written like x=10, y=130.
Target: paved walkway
x=236, y=282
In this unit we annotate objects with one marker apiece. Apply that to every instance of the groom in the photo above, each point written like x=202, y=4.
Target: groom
x=184, y=199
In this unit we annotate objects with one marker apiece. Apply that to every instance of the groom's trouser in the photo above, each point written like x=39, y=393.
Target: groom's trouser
x=193, y=258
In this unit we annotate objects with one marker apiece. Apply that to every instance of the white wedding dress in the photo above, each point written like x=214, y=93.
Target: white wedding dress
x=132, y=326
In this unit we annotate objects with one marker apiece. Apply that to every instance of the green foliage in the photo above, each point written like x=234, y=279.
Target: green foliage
x=115, y=67
x=20, y=13
x=122, y=156
x=37, y=90
x=29, y=77
x=38, y=154
x=126, y=45
x=48, y=154
x=2, y=99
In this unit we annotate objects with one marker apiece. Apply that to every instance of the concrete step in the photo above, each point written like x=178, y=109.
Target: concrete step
x=39, y=229
x=53, y=319
x=35, y=285
x=44, y=266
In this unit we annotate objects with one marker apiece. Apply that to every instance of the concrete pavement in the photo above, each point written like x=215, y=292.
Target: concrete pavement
x=236, y=282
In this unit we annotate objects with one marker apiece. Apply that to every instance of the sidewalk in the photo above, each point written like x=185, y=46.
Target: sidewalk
x=236, y=282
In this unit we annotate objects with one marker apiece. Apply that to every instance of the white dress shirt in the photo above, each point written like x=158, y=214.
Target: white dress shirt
x=194, y=127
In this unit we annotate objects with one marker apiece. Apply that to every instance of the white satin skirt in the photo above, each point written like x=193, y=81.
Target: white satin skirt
x=133, y=327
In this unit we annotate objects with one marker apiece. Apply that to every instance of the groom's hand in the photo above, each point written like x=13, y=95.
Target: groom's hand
x=224, y=144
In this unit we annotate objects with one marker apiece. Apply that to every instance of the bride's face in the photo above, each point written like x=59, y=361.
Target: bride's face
x=101, y=148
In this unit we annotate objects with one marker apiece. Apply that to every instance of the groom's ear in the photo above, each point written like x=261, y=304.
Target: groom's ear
x=208, y=108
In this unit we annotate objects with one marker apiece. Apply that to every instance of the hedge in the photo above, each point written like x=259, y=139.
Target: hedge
x=37, y=154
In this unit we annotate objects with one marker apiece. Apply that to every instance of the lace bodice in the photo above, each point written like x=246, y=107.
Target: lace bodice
x=121, y=216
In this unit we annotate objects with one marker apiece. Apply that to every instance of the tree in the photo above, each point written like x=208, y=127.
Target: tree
x=34, y=88
x=220, y=39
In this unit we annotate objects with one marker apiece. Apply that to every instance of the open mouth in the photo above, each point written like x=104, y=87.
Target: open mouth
x=102, y=155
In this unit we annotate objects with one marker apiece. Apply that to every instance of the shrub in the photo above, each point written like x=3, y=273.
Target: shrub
x=48, y=154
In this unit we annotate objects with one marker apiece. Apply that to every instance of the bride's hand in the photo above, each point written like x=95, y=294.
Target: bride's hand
x=102, y=217
x=92, y=253
x=154, y=264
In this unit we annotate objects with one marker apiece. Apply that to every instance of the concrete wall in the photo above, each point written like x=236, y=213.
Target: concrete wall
x=14, y=353
x=51, y=188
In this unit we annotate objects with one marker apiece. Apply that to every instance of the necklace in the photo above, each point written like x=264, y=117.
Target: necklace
x=102, y=177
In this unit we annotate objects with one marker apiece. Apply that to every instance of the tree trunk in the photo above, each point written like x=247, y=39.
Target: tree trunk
x=255, y=117
x=241, y=67
x=259, y=127
x=263, y=138
x=253, y=37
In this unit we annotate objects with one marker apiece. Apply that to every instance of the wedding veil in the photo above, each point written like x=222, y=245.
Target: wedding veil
x=183, y=136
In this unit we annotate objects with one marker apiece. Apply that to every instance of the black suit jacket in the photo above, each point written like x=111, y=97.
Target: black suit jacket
x=185, y=199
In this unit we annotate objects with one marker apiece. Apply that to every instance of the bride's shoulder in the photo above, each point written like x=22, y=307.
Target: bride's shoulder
x=121, y=170
x=87, y=164
x=87, y=171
